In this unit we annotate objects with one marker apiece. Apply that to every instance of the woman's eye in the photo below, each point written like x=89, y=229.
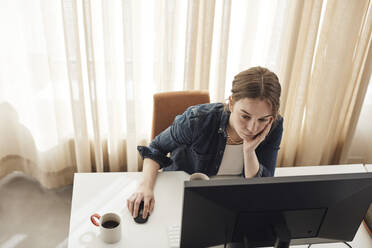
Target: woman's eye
x=262, y=120
x=246, y=117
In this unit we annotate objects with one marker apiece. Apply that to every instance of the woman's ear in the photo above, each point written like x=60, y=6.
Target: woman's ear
x=231, y=104
x=271, y=119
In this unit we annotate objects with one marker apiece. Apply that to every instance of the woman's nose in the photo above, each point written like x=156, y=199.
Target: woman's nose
x=252, y=127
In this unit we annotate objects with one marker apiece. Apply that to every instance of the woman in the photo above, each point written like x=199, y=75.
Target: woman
x=239, y=138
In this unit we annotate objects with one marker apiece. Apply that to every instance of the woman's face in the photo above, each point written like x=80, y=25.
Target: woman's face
x=249, y=116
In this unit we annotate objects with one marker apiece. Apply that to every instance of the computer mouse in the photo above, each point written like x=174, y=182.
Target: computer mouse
x=139, y=219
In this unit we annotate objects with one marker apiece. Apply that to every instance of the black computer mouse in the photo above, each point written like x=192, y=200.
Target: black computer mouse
x=139, y=219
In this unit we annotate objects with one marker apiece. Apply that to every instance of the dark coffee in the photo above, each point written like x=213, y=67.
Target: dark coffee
x=110, y=224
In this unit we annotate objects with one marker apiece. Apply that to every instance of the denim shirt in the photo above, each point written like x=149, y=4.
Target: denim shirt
x=196, y=142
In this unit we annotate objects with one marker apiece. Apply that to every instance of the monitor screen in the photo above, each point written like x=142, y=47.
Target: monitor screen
x=274, y=211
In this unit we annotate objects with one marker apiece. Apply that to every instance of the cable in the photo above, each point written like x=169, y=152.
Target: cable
x=348, y=244
x=344, y=243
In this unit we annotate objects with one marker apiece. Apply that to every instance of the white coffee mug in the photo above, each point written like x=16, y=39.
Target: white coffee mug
x=109, y=225
x=198, y=176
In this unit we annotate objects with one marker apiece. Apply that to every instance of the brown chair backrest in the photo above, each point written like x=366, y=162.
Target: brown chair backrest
x=167, y=105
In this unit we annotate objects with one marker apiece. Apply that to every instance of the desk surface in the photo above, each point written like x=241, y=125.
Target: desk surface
x=368, y=167
x=320, y=170
x=107, y=192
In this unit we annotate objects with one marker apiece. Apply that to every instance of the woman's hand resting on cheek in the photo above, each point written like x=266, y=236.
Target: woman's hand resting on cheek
x=250, y=144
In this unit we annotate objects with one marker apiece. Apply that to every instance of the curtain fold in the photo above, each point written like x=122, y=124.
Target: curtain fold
x=199, y=33
x=333, y=80
x=220, y=45
x=77, y=77
x=361, y=69
x=92, y=85
x=108, y=40
x=297, y=83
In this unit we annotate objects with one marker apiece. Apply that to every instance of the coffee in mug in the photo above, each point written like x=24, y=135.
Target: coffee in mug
x=109, y=225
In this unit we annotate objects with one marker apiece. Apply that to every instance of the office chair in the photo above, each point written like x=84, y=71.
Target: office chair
x=167, y=105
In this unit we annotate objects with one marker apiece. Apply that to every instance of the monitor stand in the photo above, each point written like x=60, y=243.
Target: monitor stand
x=282, y=238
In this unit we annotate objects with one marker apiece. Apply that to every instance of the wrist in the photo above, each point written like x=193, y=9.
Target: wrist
x=146, y=184
x=249, y=151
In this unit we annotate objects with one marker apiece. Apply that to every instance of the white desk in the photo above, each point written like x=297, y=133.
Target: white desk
x=319, y=170
x=368, y=167
x=102, y=192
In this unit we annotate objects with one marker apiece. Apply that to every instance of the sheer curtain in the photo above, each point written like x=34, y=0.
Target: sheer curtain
x=77, y=77
x=328, y=81
x=321, y=52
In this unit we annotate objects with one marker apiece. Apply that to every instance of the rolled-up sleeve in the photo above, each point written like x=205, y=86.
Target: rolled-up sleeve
x=180, y=133
x=260, y=170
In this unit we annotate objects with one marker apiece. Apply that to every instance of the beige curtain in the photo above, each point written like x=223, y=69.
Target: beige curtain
x=328, y=82
x=77, y=77
x=320, y=50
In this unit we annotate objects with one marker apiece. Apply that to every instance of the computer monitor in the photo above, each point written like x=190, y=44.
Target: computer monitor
x=274, y=211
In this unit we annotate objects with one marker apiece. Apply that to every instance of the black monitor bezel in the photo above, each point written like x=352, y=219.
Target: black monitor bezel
x=361, y=180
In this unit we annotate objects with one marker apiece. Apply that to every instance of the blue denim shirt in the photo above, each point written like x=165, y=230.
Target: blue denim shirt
x=196, y=142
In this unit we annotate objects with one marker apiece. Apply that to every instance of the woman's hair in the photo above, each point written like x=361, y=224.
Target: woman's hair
x=259, y=83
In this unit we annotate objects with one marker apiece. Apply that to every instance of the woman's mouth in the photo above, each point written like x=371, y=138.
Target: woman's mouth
x=248, y=135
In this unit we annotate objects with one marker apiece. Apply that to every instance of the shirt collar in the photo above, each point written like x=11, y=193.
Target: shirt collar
x=223, y=122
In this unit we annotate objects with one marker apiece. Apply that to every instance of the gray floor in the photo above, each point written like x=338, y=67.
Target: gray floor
x=31, y=216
